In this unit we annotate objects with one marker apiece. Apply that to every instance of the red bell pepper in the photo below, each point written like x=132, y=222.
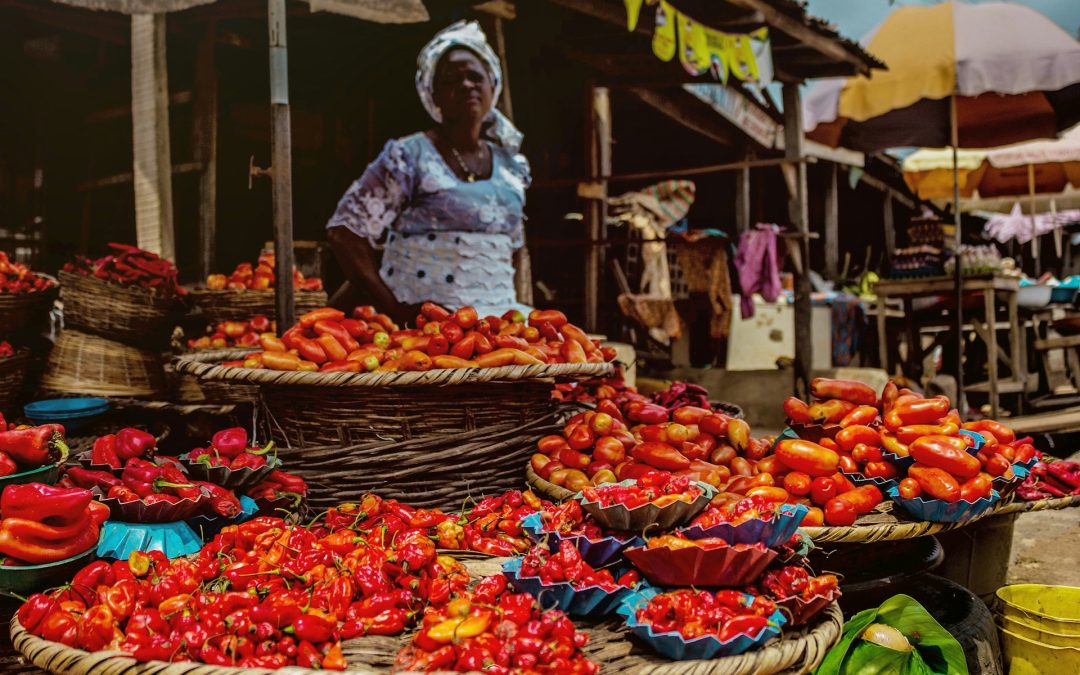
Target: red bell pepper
x=35, y=446
x=231, y=442
x=104, y=452
x=134, y=443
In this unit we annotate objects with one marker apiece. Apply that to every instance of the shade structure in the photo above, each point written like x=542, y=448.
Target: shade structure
x=1015, y=74
x=1001, y=172
x=1016, y=225
x=379, y=11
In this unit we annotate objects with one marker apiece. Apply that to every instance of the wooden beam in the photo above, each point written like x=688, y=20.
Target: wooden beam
x=884, y=187
x=661, y=173
x=500, y=46
x=598, y=130
x=742, y=199
x=502, y=9
x=175, y=98
x=887, y=221
x=281, y=153
x=802, y=32
x=128, y=176
x=799, y=213
x=204, y=142
x=152, y=167
x=609, y=12
x=688, y=111
x=832, y=220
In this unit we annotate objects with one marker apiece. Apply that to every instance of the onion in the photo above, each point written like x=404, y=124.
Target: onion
x=887, y=636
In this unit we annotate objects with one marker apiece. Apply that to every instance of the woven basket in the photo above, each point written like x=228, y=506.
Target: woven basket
x=25, y=310
x=229, y=305
x=798, y=652
x=126, y=313
x=323, y=409
x=82, y=363
x=433, y=471
x=12, y=377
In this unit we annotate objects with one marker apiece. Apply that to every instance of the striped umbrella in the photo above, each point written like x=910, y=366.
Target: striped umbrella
x=959, y=75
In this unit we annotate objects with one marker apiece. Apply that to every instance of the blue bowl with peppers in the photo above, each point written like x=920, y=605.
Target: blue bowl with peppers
x=941, y=511
x=589, y=601
x=773, y=531
x=27, y=579
x=596, y=552
x=674, y=646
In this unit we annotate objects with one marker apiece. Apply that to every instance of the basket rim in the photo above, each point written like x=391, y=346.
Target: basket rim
x=204, y=366
x=71, y=280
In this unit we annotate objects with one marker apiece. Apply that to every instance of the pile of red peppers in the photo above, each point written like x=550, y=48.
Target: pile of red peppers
x=1051, y=480
x=6, y=349
x=266, y=594
x=227, y=334
x=260, y=277
x=16, y=278
x=23, y=447
x=131, y=266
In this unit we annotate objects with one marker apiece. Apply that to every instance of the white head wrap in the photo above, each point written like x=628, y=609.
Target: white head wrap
x=469, y=35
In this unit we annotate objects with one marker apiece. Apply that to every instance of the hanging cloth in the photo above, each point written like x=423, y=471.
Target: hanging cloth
x=759, y=266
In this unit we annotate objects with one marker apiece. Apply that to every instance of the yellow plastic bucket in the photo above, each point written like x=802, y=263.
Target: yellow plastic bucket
x=1038, y=635
x=1053, y=609
x=1028, y=657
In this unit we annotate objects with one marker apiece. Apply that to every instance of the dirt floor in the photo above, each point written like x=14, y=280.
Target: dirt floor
x=1046, y=547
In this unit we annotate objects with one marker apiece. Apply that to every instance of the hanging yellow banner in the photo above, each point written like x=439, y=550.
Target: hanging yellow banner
x=633, y=10
x=663, y=39
x=746, y=57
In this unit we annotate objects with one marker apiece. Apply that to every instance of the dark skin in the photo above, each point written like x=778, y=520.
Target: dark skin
x=464, y=93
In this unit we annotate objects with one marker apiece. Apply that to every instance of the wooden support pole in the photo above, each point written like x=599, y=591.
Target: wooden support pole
x=800, y=218
x=598, y=129
x=281, y=153
x=890, y=226
x=832, y=223
x=204, y=132
x=742, y=199
x=500, y=45
x=152, y=165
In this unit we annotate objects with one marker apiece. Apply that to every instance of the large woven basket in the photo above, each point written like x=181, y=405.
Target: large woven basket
x=25, y=310
x=12, y=378
x=230, y=305
x=434, y=471
x=127, y=313
x=317, y=409
x=82, y=363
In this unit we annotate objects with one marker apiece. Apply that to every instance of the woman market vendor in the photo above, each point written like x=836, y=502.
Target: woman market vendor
x=449, y=199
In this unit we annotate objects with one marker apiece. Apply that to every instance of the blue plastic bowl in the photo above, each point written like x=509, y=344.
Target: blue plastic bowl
x=772, y=532
x=938, y=511
x=596, y=552
x=591, y=601
x=73, y=413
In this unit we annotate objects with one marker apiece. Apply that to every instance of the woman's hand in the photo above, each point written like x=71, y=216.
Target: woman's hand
x=357, y=258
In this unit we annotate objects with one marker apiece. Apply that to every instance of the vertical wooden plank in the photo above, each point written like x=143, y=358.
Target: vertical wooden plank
x=883, y=338
x=742, y=198
x=890, y=226
x=152, y=163
x=799, y=213
x=500, y=49
x=281, y=152
x=990, y=304
x=598, y=129
x=832, y=223
x=204, y=139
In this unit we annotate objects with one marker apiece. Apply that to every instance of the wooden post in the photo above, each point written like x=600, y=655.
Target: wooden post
x=281, y=152
x=204, y=132
x=799, y=213
x=152, y=166
x=890, y=227
x=598, y=128
x=832, y=223
x=500, y=47
x=742, y=199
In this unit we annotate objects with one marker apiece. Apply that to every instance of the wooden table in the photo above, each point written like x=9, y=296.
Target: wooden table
x=993, y=288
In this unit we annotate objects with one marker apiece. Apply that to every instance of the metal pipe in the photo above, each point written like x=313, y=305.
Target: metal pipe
x=954, y=139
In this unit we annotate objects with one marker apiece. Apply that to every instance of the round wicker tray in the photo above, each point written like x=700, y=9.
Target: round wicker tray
x=230, y=305
x=205, y=366
x=25, y=310
x=83, y=363
x=546, y=488
x=797, y=652
x=12, y=376
x=125, y=313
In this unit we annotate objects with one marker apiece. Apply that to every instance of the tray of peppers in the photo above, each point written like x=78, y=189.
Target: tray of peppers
x=46, y=534
x=31, y=453
x=327, y=341
x=279, y=492
x=267, y=594
x=261, y=277
x=575, y=586
x=233, y=334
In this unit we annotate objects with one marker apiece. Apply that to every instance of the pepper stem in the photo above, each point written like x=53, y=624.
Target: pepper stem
x=57, y=442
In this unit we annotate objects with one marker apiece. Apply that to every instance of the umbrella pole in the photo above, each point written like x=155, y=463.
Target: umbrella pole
x=1034, y=226
x=954, y=139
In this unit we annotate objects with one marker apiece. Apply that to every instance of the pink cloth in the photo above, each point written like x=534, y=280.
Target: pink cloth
x=759, y=266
